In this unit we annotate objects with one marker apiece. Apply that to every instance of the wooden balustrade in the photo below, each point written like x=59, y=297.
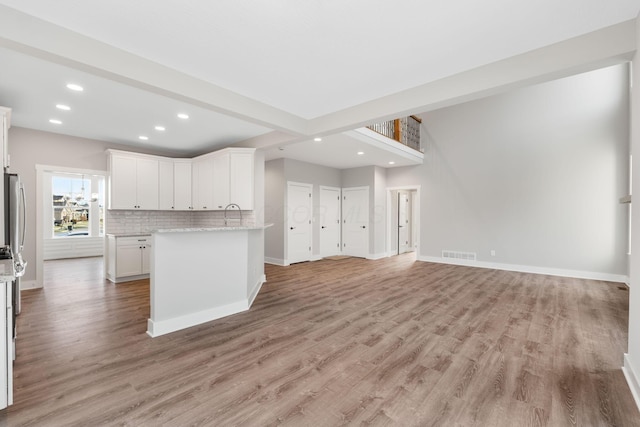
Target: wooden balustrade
x=405, y=130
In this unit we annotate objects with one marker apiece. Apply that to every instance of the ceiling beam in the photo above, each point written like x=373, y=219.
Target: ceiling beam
x=32, y=36
x=608, y=46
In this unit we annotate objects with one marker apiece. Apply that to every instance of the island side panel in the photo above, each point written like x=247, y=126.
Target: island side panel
x=255, y=264
x=196, y=277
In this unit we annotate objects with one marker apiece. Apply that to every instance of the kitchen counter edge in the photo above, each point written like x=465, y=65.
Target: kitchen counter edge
x=221, y=228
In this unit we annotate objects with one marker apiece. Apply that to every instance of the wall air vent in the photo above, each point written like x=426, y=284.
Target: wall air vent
x=470, y=256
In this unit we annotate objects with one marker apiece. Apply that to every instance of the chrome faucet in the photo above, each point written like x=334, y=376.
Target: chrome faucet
x=227, y=208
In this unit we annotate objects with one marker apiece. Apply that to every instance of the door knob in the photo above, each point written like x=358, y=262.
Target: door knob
x=363, y=226
x=291, y=228
x=323, y=226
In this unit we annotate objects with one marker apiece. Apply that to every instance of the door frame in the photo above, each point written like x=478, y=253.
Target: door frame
x=415, y=222
x=286, y=227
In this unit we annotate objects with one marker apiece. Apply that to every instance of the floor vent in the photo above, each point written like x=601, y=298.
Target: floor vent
x=471, y=256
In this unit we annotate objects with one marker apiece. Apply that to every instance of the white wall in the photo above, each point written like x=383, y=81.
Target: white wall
x=534, y=174
x=632, y=358
x=277, y=173
x=29, y=148
x=274, y=210
x=379, y=210
x=316, y=175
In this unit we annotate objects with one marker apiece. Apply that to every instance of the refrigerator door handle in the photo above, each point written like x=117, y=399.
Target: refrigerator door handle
x=24, y=216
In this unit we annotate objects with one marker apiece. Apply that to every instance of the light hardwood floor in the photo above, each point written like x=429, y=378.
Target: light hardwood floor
x=346, y=342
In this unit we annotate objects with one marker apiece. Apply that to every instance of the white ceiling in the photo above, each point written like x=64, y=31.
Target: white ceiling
x=244, y=68
x=110, y=111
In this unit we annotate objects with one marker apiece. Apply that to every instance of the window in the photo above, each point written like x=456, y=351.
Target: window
x=78, y=205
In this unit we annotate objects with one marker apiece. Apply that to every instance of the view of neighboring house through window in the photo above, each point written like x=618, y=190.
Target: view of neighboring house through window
x=78, y=205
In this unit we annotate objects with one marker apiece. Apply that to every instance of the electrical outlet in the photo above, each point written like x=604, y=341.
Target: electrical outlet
x=493, y=252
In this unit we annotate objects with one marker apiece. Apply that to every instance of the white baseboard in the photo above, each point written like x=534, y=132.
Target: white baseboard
x=578, y=274
x=256, y=289
x=377, y=256
x=155, y=329
x=315, y=258
x=29, y=284
x=162, y=327
x=276, y=261
x=632, y=379
x=128, y=278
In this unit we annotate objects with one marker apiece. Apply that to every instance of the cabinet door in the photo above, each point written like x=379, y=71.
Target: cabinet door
x=128, y=260
x=241, y=180
x=123, y=183
x=147, y=180
x=165, y=185
x=221, y=181
x=182, y=185
x=205, y=184
x=146, y=258
x=4, y=356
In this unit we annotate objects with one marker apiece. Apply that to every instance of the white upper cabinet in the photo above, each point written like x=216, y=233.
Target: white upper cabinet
x=233, y=178
x=221, y=181
x=182, y=185
x=165, y=184
x=241, y=173
x=203, y=183
x=208, y=182
x=134, y=181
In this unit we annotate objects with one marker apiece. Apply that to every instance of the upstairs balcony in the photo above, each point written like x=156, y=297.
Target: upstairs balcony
x=390, y=144
x=405, y=130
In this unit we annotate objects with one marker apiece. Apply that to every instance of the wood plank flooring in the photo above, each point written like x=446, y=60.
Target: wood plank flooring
x=329, y=343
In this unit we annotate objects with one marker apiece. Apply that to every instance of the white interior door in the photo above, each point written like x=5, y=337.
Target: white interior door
x=404, y=226
x=355, y=221
x=329, y=219
x=299, y=217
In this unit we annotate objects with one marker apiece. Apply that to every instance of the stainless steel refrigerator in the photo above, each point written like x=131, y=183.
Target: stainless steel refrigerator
x=15, y=228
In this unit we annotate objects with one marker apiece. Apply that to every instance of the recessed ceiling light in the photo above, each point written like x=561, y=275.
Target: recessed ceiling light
x=75, y=87
x=63, y=107
x=392, y=163
x=360, y=153
x=317, y=139
x=144, y=138
x=55, y=121
x=183, y=116
x=160, y=128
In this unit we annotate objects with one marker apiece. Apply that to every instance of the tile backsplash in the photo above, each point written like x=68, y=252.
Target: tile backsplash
x=133, y=222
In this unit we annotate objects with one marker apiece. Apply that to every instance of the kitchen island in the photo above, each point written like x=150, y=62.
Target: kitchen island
x=203, y=274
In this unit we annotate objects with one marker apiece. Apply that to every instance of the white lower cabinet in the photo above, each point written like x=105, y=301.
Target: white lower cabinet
x=128, y=257
x=6, y=345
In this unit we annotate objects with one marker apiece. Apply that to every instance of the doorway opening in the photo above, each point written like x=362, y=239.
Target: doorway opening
x=403, y=213
x=70, y=214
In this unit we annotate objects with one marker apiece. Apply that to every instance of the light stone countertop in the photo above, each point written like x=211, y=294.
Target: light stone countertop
x=220, y=228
